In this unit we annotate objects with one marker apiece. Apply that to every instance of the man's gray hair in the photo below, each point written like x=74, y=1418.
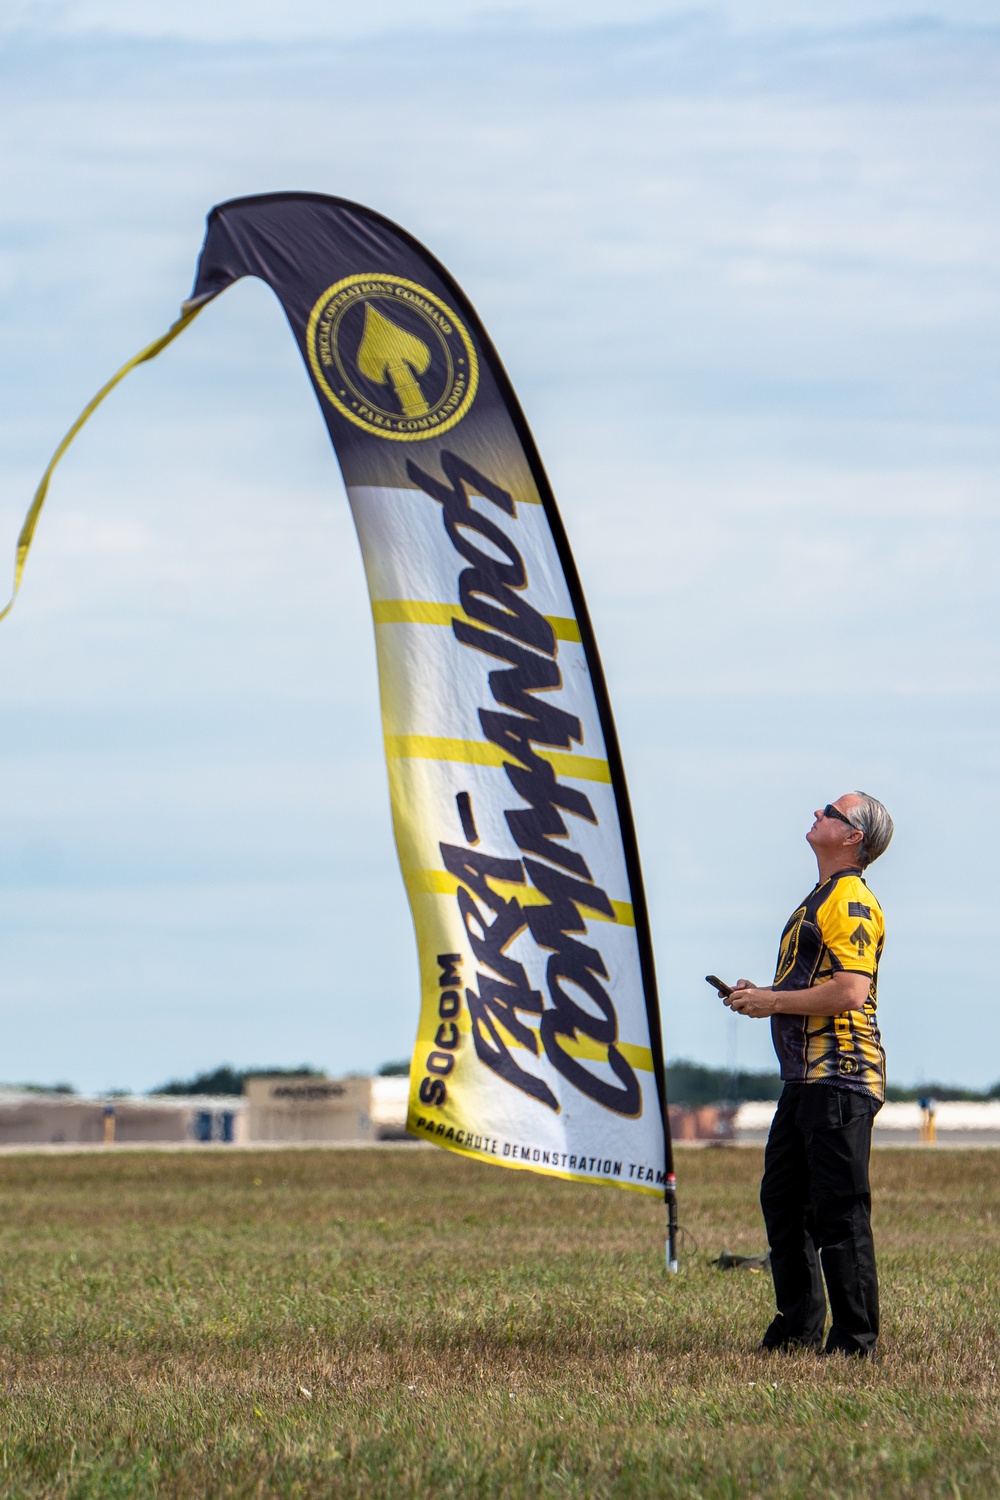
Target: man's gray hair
x=876, y=828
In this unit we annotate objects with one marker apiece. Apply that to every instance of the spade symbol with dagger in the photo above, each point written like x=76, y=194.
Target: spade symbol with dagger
x=389, y=354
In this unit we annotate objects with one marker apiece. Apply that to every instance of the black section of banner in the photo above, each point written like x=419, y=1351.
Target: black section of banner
x=275, y=236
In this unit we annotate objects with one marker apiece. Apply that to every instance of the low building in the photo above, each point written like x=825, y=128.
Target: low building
x=276, y=1109
x=957, y=1123
x=336, y=1110
x=702, y=1122
x=389, y=1102
x=29, y=1118
x=280, y=1108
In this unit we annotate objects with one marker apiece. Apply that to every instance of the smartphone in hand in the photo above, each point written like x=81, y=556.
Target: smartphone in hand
x=725, y=990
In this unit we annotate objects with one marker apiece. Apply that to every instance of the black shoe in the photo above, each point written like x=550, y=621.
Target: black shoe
x=777, y=1339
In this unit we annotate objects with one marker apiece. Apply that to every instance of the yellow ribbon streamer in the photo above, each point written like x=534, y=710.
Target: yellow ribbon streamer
x=31, y=519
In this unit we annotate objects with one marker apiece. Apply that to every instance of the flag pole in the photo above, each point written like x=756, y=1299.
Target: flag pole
x=671, y=1197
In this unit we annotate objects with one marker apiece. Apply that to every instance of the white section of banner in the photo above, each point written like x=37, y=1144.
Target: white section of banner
x=534, y=1047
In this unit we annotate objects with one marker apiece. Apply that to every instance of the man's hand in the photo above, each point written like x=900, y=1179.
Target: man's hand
x=748, y=999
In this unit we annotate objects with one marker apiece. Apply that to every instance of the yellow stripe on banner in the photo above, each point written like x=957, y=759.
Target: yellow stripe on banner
x=636, y=1057
x=35, y=509
x=427, y=612
x=443, y=883
x=584, y=1048
x=485, y=753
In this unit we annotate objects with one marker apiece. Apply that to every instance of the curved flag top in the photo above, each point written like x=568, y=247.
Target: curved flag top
x=539, y=1043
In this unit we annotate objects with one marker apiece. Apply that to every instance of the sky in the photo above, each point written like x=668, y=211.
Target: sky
x=741, y=263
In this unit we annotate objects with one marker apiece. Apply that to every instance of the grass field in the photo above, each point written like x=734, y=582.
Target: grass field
x=404, y=1322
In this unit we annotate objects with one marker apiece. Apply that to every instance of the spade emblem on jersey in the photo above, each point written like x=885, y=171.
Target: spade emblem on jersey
x=861, y=938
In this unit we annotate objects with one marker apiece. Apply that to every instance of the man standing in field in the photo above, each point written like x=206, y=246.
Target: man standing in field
x=815, y=1194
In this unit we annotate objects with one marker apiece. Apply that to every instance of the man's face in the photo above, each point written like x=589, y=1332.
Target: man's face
x=828, y=835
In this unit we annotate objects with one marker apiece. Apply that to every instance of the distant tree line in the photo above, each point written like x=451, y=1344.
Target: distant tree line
x=693, y=1083
x=687, y=1083
x=942, y=1091
x=41, y=1088
x=696, y=1083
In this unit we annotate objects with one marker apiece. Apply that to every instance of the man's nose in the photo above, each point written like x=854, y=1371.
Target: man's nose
x=817, y=813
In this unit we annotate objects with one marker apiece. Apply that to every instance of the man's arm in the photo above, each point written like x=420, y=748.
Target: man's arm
x=843, y=992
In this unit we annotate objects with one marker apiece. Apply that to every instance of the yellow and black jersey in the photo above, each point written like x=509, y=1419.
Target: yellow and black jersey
x=838, y=927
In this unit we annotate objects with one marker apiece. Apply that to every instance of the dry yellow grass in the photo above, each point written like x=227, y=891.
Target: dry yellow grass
x=408, y=1323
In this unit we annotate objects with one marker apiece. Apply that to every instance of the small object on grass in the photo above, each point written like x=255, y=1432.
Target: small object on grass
x=307, y=1393
x=729, y=1261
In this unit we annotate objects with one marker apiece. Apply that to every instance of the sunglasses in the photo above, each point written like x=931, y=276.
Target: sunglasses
x=830, y=811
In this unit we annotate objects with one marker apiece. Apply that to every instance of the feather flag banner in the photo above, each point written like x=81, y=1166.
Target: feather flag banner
x=538, y=1045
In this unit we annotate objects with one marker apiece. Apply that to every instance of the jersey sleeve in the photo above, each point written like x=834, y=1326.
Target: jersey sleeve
x=850, y=922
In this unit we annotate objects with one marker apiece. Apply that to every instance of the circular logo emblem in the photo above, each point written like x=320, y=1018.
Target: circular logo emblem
x=392, y=357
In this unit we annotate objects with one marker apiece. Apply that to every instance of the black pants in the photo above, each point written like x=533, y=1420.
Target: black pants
x=816, y=1197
